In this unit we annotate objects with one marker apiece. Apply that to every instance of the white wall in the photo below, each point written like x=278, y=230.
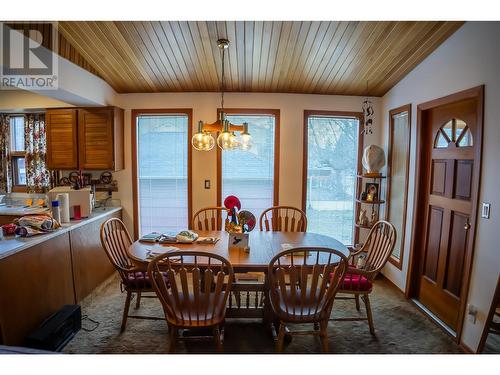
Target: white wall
x=469, y=58
x=20, y=100
x=205, y=106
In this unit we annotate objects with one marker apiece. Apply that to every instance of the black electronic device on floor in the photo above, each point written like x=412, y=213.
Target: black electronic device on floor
x=57, y=330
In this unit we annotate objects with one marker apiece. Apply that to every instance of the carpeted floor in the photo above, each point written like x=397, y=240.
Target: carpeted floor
x=400, y=328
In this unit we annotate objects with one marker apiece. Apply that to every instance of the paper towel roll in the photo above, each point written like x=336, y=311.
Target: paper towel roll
x=63, y=199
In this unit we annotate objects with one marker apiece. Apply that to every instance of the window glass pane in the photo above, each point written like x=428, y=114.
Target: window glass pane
x=250, y=174
x=398, y=179
x=17, y=133
x=162, y=171
x=448, y=129
x=331, y=176
x=20, y=171
x=466, y=139
x=441, y=141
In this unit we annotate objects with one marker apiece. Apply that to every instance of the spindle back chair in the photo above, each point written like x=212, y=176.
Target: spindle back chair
x=115, y=240
x=210, y=218
x=193, y=288
x=302, y=286
x=358, y=281
x=283, y=219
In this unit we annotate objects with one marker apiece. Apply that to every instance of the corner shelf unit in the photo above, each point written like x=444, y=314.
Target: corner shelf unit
x=373, y=206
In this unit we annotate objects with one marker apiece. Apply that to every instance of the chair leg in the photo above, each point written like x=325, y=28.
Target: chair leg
x=366, y=300
x=281, y=338
x=138, y=302
x=217, y=339
x=125, y=311
x=173, y=339
x=356, y=298
x=323, y=335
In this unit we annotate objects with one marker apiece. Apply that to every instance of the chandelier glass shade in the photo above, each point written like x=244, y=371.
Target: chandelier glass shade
x=203, y=140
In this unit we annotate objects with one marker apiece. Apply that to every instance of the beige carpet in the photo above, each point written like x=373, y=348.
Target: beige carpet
x=400, y=328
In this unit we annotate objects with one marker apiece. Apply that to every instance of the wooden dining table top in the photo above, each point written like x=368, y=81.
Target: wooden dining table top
x=263, y=247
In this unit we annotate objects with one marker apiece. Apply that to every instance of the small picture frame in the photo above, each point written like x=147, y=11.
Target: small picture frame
x=371, y=190
x=238, y=241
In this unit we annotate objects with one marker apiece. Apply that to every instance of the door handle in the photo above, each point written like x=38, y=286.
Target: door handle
x=467, y=225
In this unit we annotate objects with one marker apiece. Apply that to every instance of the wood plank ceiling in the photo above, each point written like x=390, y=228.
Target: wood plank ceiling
x=347, y=58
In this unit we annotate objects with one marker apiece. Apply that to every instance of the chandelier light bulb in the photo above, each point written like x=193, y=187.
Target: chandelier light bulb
x=208, y=141
x=245, y=140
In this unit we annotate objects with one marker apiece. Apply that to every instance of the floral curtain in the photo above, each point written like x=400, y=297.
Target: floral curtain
x=5, y=173
x=37, y=176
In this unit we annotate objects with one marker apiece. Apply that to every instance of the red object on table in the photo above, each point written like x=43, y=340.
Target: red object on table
x=77, y=214
x=9, y=229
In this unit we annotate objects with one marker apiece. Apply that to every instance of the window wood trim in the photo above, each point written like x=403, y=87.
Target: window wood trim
x=398, y=263
x=134, y=114
x=360, y=117
x=276, y=171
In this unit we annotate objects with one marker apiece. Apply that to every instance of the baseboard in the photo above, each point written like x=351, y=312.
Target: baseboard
x=381, y=275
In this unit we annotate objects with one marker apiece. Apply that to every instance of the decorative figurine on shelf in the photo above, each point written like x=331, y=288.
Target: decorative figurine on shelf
x=241, y=223
x=363, y=219
x=374, y=218
x=373, y=160
x=371, y=190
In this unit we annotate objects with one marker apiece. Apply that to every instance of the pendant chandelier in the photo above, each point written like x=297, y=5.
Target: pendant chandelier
x=227, y=140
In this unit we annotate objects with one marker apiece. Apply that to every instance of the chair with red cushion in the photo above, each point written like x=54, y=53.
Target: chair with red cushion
x=358, y=279
x=115, y=240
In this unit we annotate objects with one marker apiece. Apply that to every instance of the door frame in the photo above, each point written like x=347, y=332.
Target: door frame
x=422, y=174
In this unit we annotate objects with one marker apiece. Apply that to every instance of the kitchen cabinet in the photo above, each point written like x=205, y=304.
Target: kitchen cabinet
x=96, y=136
x=62, y=133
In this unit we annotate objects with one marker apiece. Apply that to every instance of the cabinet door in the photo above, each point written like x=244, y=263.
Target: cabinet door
x=95, y=139
x=61, y=139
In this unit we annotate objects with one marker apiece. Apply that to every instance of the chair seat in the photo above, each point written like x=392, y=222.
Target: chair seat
x=355, y=282
x=139, y=280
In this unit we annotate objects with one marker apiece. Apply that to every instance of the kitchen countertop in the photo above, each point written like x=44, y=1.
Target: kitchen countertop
x=13, y=244
x=21, y=211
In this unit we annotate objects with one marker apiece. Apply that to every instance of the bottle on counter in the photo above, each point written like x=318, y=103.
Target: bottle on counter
x=56, y=211
x=63, y=199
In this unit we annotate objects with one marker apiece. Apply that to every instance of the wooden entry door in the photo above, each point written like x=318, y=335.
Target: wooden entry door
x=448, y=209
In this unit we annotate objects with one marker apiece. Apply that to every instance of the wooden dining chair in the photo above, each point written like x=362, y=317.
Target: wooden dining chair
x=210, y=219
x=199, y=286
x=358, y=280
x=115, y=240
x=302, y=287
x=283, y=219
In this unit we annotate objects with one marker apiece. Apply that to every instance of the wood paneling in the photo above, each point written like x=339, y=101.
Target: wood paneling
x=90, y=264
x=348, y=58
x=34, y=284
x=62, y=147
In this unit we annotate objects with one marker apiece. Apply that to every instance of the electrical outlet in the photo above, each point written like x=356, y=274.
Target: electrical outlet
x=207, y=184
x=485, y=210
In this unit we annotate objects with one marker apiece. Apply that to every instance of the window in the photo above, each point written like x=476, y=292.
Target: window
x=163, y=200
x=17, y=153
x=397, y=172
x=331, y=163
x=252, y=175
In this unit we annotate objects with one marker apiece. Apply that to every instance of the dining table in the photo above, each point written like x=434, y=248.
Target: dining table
x=249, y=299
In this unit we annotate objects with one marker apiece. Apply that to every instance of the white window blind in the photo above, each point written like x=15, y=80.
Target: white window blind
x=162, y=161
x=332, y=147
x=249, y=175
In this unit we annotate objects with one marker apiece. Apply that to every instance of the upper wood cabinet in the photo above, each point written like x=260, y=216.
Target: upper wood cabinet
x=62, y=149
x=97, y=139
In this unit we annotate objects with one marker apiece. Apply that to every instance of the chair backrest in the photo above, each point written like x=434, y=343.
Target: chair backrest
x=193, y=286
x=210, y=218
x=115, y=240
x=283, y=219
x=303, y=282
x=379, y=246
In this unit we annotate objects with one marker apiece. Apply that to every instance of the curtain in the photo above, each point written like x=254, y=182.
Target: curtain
x=5, y=173
x=37, y=176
